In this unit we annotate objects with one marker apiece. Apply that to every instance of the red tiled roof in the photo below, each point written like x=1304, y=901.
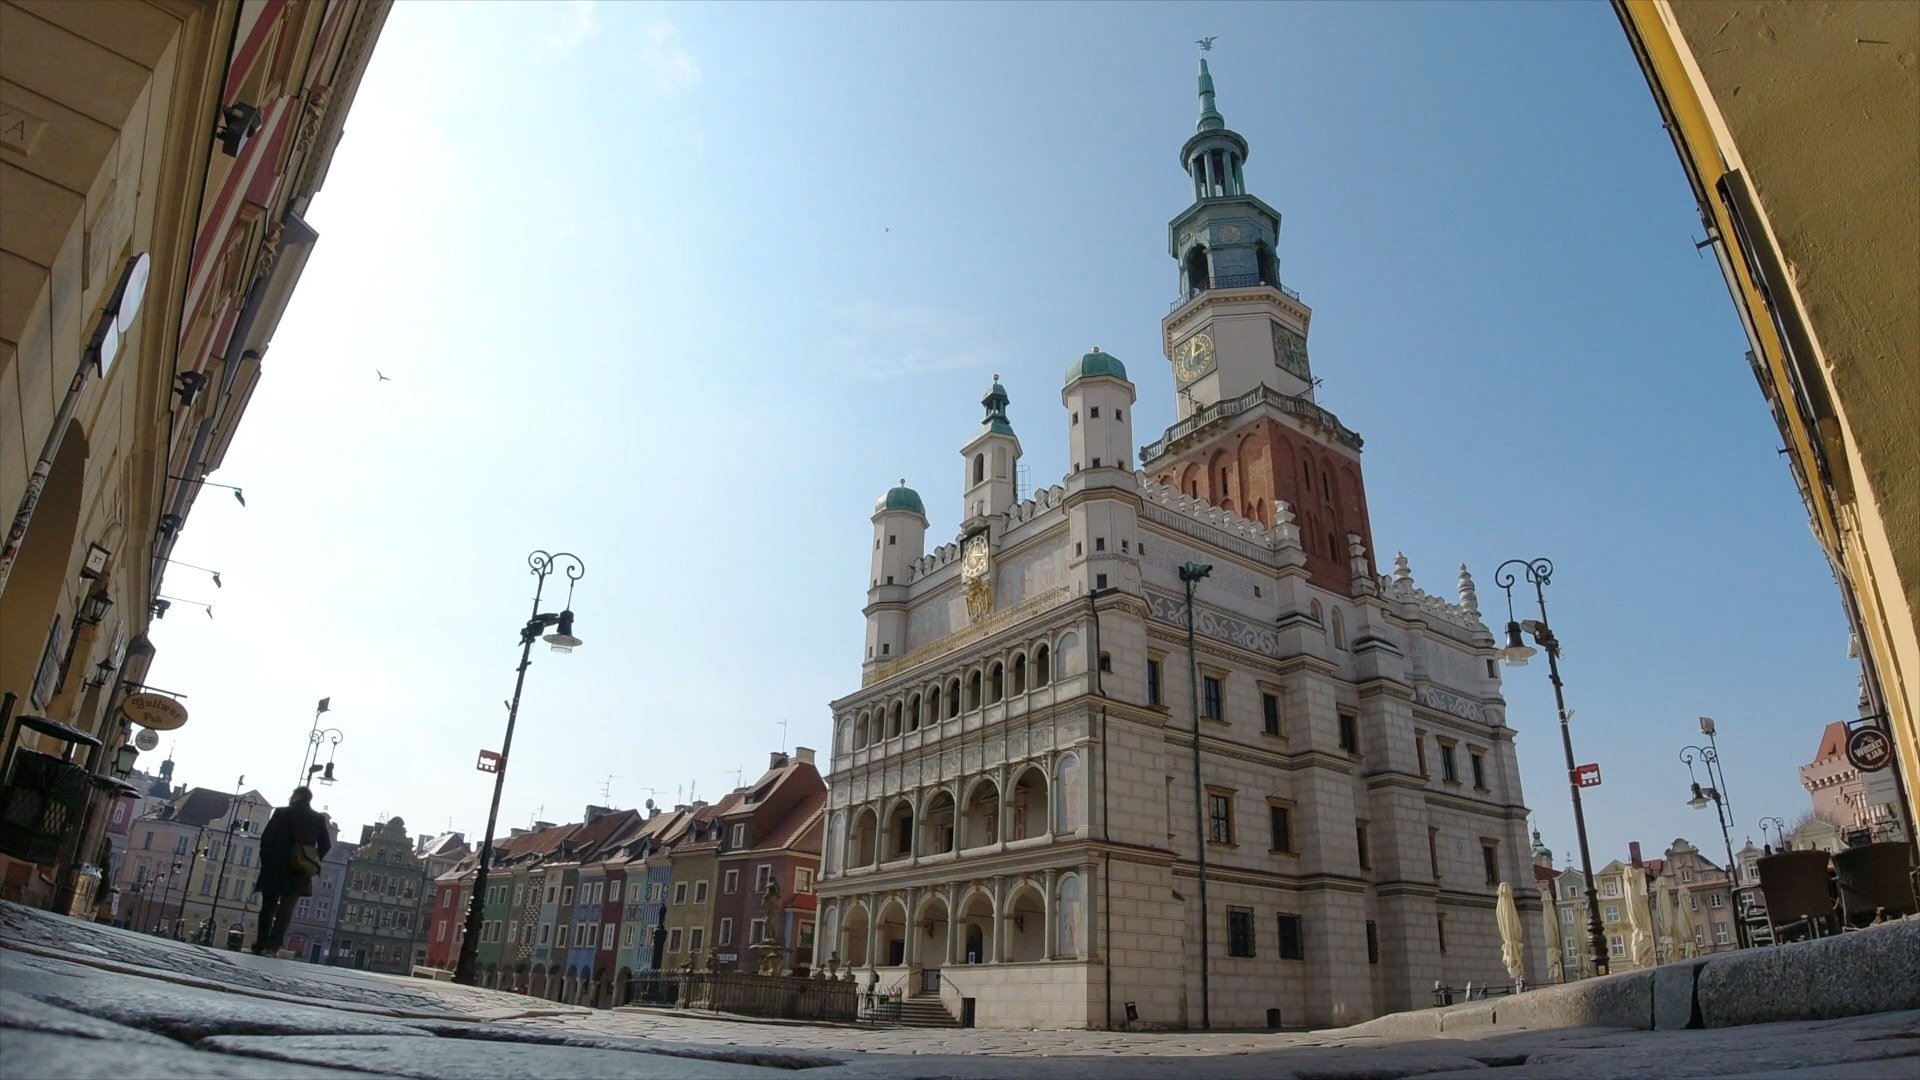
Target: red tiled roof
x=793, y=824
x=1833, y=742
x=1544, y=873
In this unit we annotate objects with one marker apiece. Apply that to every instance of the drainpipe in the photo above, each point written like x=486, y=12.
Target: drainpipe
x=1106, y=831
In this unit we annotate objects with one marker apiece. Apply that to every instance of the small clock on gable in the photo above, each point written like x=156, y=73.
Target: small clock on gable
x=1193, y=358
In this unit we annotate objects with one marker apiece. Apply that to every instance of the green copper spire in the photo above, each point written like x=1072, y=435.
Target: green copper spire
x=1210, y=118
x=996, y=405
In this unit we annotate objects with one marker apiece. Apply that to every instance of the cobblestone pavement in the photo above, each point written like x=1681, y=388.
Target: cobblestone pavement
x=82, y=1000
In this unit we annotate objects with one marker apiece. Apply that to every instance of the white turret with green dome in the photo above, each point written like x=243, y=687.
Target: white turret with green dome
x=899, y=538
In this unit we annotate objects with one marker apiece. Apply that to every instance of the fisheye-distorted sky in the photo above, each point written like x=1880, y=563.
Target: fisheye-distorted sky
x=683, y=289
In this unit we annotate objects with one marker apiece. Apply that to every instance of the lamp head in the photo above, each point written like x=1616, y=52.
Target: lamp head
x=97, y=606
x=1517, y=652
x=123, y=760
x=562, y=638
x=1706, y=725
x=1699, y=800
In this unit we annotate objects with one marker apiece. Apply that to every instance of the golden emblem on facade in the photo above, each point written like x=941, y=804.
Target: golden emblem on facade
x=976, y=570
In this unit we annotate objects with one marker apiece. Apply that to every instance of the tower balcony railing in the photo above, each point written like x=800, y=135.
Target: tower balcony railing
x=1254, y=398
x=1229, y=281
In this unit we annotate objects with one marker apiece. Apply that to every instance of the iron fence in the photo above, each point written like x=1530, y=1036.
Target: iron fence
x=781, y=996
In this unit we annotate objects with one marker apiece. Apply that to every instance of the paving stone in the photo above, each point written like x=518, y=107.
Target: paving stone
x=20, y=1011
x=1468, y=1017
x=47, y=1056
x=464, y=1059
x=1865, y=971
x=1622, y=1001
x=1673, y=994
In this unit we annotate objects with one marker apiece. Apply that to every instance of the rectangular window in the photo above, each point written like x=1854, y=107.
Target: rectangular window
x=566, y=896
x=1270, y=713
x=1099, y=542
x=696, y=938
x=1153, y=686
x=762, y=877
x=680, y=892
x=1360, y=840
x=739, y=834
x=1611, y=913
x=1373, y=942
x=615, y=895
x=1292, y=946
x=731, y=882
x=1210, y=697
x=1616, y=946
x=626, y=937
x=546, y=932
x=1433, y=852
x=1219, y=818
x=1440, y=929
x=673, y=940
x=1100, y=582
x=1281, y=818
x=440, y=931
x=726, y=933
x=1449, y=767
x=1420, y=751
x=757, y=930
x=1719, y=933
x=1239, y=931
x=1566, y=916
x=1715, y=900
x=700, y=891
x=1610, y=887
x=550, y=889
x=1490, y=858
x=1479, y=763
x=803, y=880
x=1349, y=733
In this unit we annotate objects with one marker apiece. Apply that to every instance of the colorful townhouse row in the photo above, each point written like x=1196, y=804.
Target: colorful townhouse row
x=574, y=912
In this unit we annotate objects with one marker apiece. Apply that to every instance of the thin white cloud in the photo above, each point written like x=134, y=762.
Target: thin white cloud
x=581, y=20
x=886, y=342
x=666, y=59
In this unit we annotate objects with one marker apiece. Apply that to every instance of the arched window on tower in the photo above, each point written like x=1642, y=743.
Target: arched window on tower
x=1269, y=266
x=1339, y=628
x=1198, y=278
x=979, y=468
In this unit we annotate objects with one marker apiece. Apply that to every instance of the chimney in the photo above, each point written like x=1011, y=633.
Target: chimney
x=542, y=825
x=803, y=754
x=1634, y=848
x=776, y=760
x=511, y=833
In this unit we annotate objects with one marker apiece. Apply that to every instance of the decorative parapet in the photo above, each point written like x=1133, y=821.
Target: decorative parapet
x=1283, y=534
x=960, y=639
x=1400, y=590
x=1252, y=399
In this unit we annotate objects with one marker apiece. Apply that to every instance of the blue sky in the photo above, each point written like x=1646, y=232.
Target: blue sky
x=683, y=289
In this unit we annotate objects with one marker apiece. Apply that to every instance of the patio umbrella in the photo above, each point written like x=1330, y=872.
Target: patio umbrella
x=1513, y=942
x=1639, y=920
x=1683, y=923
x=1663, y=919
x=1550, y=939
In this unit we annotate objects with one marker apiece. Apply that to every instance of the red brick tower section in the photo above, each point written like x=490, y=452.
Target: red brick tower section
x=1261, y=461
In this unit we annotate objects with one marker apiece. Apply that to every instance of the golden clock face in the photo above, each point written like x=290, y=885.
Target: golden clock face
x=973, y=565
x=1193, y=358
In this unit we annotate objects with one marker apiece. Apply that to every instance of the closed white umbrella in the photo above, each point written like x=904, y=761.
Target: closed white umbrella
x=1639, y=919
x=1683, y=923
x=1513, y=941
x=1550, y=938
x=1663, y=918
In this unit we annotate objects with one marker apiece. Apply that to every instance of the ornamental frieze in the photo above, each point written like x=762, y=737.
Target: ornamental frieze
x=1210, y=623
x=1451, y=704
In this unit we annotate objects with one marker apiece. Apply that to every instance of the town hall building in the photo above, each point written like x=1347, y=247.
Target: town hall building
x=1016, y=804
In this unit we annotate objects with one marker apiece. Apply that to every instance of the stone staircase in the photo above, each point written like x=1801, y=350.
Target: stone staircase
x=924, y=1010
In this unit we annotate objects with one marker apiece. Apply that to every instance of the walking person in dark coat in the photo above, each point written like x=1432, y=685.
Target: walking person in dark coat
x=291, y=847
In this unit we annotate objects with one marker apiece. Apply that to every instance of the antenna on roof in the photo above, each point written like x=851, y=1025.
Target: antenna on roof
x=739, y=775
x=534, y=818
x=606, y=790
x=783, y=736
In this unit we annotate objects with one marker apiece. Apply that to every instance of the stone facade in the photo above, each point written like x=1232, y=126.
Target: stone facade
x=384, y=898
x=310, y=930
x=1013, y=793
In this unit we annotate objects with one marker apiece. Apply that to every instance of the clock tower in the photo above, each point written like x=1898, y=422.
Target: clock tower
x=1250, y=433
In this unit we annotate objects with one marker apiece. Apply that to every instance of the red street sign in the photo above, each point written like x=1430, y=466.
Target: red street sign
x=489, y=761
x=1587, y=776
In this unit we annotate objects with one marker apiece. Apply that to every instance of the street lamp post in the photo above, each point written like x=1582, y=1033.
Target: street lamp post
x=310, y=757
x=1779, y=833
x=234, y=824
x=166, y=893
x=1190, y=574
x=541, y=564
x=1537, y=573
x=1714, y=795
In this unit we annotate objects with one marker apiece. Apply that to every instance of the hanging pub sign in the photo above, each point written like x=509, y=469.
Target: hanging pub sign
x=157, y=712
x=1869, y=748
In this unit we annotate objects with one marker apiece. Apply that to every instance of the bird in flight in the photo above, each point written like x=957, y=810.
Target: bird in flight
x=383, y=378
x=1206, y=44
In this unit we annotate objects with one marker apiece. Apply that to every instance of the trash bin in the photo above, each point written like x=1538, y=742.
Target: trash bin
x=234, y=936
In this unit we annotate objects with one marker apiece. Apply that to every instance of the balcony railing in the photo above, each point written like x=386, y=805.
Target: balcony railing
x=1229, y=281
x=1259, y=395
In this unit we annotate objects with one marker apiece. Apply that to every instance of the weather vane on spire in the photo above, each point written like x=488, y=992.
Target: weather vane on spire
x=1206, y=44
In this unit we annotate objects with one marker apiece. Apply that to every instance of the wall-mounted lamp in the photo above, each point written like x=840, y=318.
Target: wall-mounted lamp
x=180, y=600
x=238, y=122
x=102, y=675
x=159, y=607
x=170, y=523
x=96, y=607
x=238, y=495
x=215, y=574
x=123, y=760
x=189, y=384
